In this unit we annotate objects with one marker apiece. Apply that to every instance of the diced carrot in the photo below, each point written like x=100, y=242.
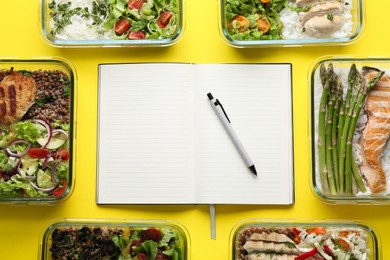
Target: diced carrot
x=265, y=1
x=317, y=230
x=343, y=244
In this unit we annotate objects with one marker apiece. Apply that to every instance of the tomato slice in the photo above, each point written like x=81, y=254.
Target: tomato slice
x=343, y=244
x=122, y=26
x=38, y=152
x=135, y=4
x=136, y=35
x=58, y=192
x=164, y=19
x=61, y=154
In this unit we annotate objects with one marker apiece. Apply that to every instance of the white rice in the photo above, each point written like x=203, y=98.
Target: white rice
x=385, y=160
x=293, y=28
x=81, y=27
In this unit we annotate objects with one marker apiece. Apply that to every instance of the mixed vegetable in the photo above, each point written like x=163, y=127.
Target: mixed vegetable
x=34, y=160
x=132, y=243
x=303, y=242
x=118, y=19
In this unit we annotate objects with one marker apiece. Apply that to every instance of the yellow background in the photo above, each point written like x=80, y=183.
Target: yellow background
x=22, y=226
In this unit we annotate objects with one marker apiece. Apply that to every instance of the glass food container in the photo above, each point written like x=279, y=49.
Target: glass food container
x=302, y=240
x=266, y=23
x=116, y=238
x=349, y=134
x=37, y=136
x=105, y=23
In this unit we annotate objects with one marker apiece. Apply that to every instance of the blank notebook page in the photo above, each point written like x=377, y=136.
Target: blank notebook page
x=257, y=100
x=160, y=142
x=145, y=152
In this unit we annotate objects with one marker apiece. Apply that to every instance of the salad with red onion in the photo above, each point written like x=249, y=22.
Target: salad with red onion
x=34, y=159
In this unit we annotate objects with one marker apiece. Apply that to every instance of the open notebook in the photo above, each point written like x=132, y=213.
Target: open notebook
x=160, y=142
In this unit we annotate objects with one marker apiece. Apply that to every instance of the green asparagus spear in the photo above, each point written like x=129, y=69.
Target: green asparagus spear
x=335, y=125
x=357, y=83
x=324, y=75
x=328, y=133
x=357, y=176
x=355, y=116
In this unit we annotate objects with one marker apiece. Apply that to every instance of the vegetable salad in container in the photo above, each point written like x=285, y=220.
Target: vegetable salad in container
x=117, y=240
x=248, y=23
x=36, y=130
x=299, y=241
x=77, y=23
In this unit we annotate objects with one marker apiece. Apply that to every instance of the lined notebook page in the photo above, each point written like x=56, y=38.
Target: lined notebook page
x=145, y=140
x=257, y=99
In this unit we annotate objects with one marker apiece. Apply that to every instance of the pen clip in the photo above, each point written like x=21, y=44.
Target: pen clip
x=216, y=103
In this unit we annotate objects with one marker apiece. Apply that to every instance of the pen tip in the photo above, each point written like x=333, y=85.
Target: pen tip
x=210, y=96
x=253, y=169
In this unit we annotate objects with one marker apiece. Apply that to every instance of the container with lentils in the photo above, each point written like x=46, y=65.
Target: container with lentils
x=36, y=131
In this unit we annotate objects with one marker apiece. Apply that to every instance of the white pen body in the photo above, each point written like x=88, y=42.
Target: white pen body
x=227, y=125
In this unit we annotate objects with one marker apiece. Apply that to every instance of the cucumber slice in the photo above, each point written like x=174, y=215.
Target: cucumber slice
x=57, y=140
x=44, y=179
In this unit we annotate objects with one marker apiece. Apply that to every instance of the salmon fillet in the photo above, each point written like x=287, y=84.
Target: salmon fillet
x=377, y=131
x=17, y=95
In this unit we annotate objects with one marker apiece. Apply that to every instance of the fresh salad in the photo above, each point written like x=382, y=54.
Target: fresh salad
x=113, y=19
x=129, y=243
x=34, y=159
x=254, y=20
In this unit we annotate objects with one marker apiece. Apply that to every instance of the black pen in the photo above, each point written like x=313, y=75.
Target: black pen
x=218, y=108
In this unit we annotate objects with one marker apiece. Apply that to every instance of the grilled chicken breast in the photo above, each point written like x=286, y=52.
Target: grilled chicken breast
x=377, y=131
x=263, y=256
x=323, y=18
x=17, y=95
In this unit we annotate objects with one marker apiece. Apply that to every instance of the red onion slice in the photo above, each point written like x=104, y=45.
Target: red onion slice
x=55, y=131
x=43, y=189
x=48, y=129
x=44, y=164
x=17, y=141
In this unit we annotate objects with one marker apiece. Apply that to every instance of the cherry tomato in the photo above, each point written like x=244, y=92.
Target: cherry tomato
x=61, y=154
x=58, y=192
x=138, y=35
x=151, y=234
x=135, y=4
x=263, y=24
x=239, y=23
x=38, y=152
x=164, y=19
x=122, y=26
x=142, y=256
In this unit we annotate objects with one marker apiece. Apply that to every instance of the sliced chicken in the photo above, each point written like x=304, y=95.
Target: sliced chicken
x=263, y=246
x=322, y=9
x=17, y=95
x=263, y=256
x=376, y=132
x=271, y=237
x=322, y=25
